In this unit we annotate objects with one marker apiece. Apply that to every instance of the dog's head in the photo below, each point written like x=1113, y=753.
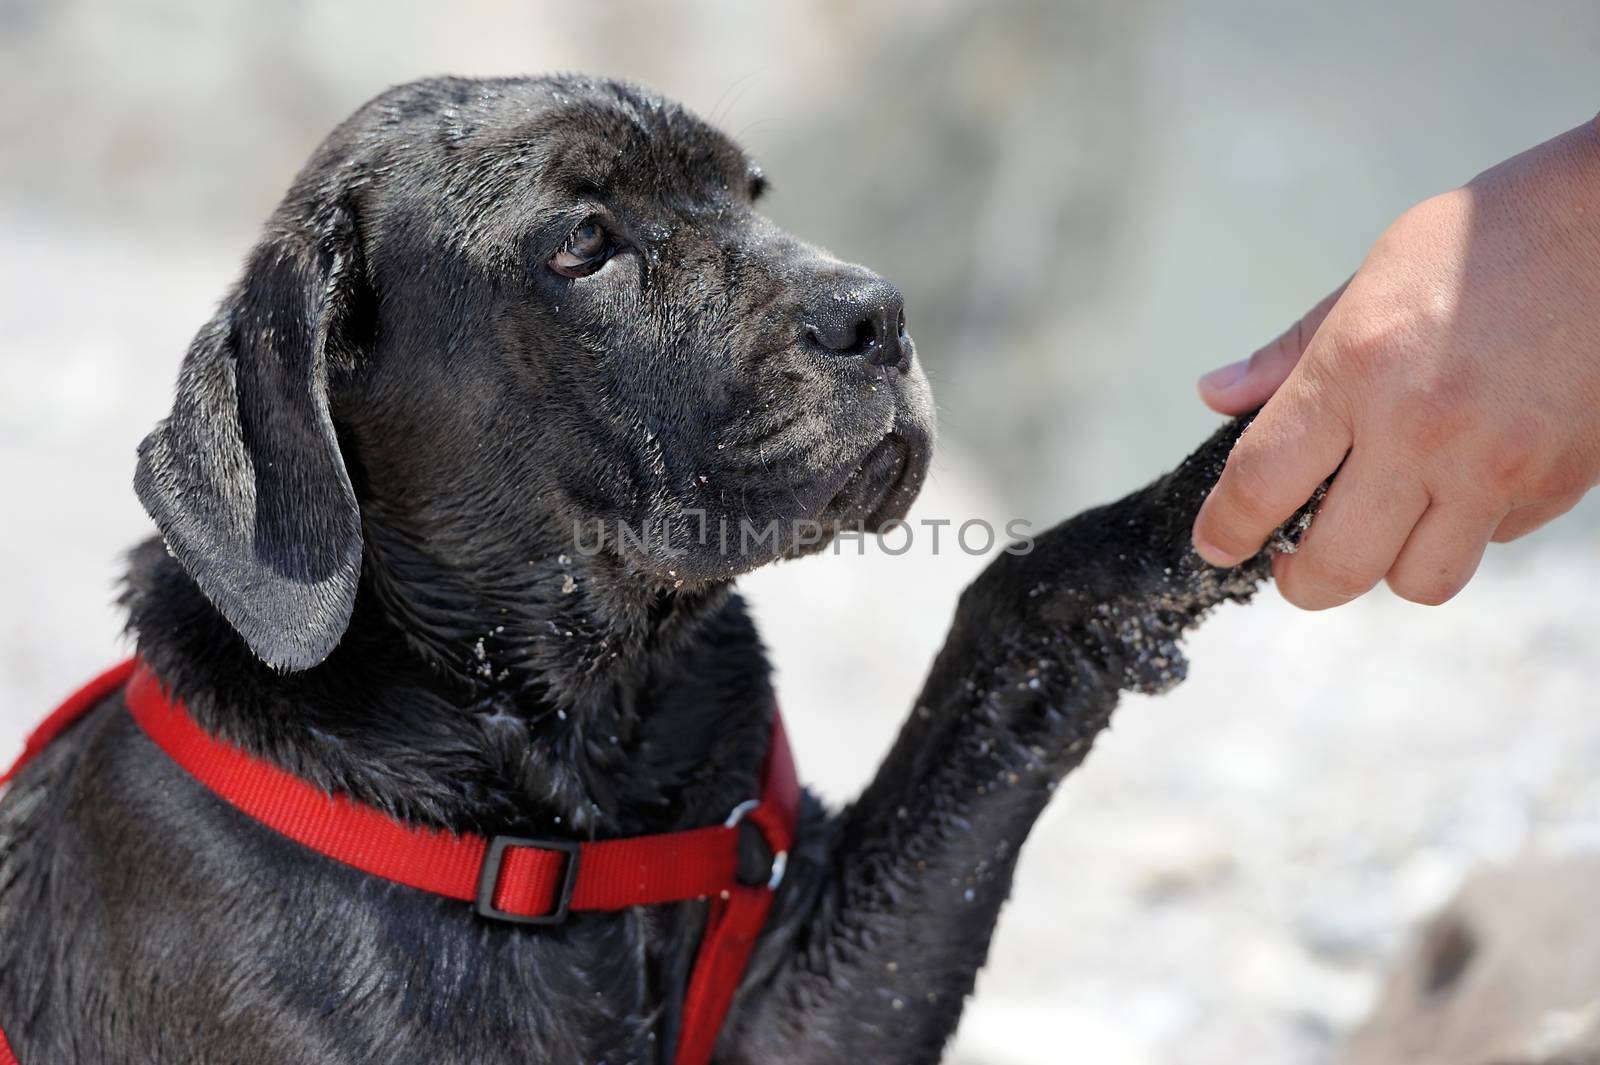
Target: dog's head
x=503, y=317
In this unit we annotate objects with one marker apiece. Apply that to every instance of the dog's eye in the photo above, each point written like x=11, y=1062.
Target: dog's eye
x=586, y=250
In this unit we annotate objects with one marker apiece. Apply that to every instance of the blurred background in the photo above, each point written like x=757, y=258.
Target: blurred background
x=1087, y=205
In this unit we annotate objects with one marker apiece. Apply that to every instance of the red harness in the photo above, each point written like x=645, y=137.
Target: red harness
x=509, y=879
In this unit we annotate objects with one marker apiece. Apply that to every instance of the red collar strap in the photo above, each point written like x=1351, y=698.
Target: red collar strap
x=506, y=878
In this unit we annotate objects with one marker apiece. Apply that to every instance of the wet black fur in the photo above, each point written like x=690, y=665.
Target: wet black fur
x=367, y=489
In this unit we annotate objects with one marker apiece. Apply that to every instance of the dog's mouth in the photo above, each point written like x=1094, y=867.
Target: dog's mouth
x=881, y=489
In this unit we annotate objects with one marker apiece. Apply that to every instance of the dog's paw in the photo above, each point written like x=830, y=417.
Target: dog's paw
x=1122, y=583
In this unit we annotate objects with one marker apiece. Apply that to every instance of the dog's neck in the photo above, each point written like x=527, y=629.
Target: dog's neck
x=533, y=622
x=557, y=696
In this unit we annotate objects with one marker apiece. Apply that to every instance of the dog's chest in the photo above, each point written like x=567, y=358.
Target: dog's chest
x=187, y=933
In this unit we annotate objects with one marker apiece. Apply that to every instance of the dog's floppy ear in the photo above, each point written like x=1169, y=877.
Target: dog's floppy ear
x=245, y=478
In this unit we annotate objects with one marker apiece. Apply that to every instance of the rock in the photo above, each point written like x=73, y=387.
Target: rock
x=1507, y=974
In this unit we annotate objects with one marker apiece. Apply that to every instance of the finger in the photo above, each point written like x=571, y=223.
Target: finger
x=1524, y=520
x=1442, y=553
x=1358, y=533
x=1245, y=385
x=1296, y=441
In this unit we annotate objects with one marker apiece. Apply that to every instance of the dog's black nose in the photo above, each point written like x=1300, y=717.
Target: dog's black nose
x=864, y=318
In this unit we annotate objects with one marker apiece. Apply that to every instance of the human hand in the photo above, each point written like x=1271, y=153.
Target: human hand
x=1456, y=377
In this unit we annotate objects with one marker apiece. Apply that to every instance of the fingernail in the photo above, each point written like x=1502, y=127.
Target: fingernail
x=1215, y=555
x=1226, y=377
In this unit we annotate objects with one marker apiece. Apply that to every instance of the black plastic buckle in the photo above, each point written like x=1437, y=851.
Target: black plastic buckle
x=489, y=879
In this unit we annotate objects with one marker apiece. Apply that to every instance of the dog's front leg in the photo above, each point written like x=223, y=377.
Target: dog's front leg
x=879, y=935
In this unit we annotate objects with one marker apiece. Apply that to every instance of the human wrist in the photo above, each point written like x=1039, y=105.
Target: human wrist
x=1584, y=169
x=1554, y=191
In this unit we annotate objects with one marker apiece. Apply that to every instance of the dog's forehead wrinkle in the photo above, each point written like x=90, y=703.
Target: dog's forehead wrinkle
x=478, y=145
x=608, y=147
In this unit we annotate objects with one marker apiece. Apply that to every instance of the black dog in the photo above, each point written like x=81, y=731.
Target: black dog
x=487, y=313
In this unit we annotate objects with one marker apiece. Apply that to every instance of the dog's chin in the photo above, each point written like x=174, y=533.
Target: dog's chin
x=874, y=492
x=881, y=489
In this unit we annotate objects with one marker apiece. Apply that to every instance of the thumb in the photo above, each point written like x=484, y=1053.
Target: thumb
x=1247, y=384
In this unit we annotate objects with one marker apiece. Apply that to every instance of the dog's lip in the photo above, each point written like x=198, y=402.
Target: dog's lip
x=895, y=500
x=891, y=463
x=856, y=494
